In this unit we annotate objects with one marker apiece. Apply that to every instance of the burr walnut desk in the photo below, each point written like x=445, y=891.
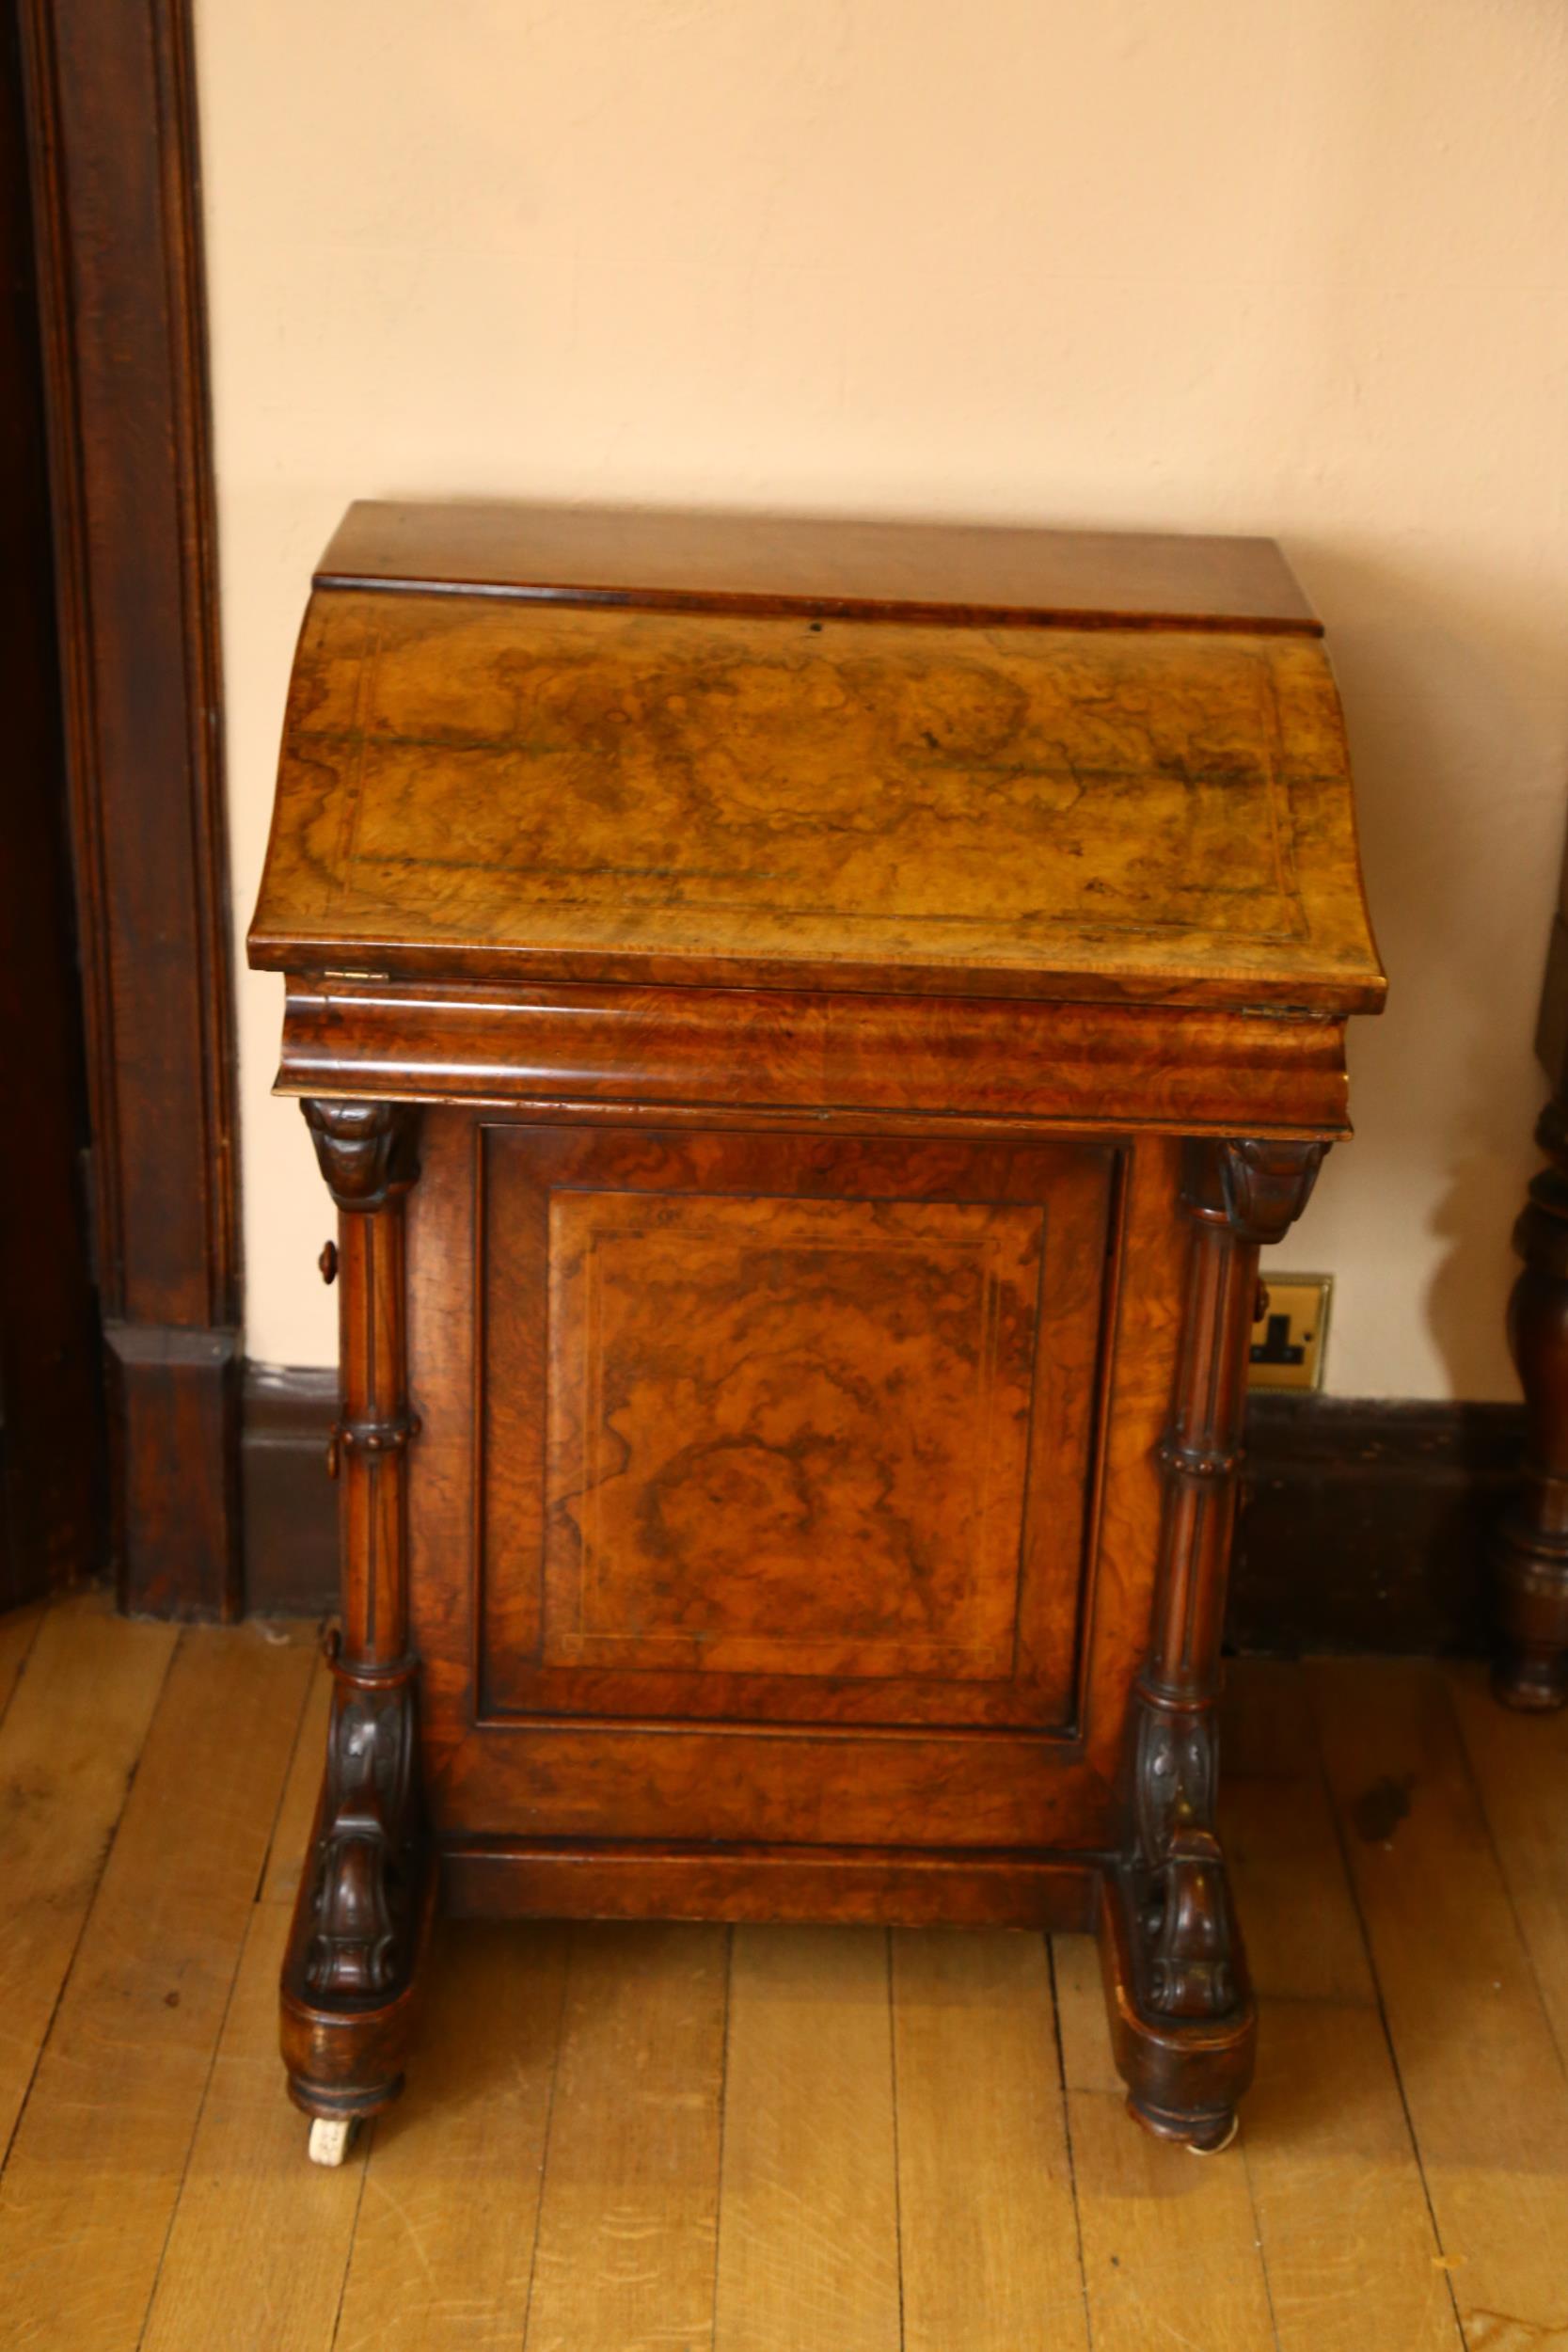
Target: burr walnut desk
x=806, y=1029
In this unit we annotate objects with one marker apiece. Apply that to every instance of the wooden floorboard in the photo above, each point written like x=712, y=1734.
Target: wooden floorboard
x=285, y=2226
x=988, y=2227
x=90, y=2188
x=444, y=2247
x=685, y=2139
x=18, y=1632
x=290, y=1830
x=1350, y=2251
x=629, y=2211
x=69, y=1745
x=1479, y=2069
x=1171, y=2252
x=808, y=2245
x=1520, y=1767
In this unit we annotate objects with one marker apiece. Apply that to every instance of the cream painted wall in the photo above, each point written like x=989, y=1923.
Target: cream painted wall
x=1298, y=267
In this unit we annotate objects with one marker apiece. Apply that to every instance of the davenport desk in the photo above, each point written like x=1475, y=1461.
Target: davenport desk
x=806, y=1028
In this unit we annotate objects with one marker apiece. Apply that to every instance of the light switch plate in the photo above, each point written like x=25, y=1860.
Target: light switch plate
x=1289, y=1337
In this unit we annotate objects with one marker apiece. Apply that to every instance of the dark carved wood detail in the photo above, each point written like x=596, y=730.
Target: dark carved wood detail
x=364, y=1905
x=1197, y=1461
x=1187, y=1959
x=1186, y=1919
x=1532, y=1549
x=378, y=1436
x=365, y=1151
x=368, y=1857
x=1266, y=1187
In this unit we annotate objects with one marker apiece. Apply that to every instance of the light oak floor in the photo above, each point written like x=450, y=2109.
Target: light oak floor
x=773, y=2139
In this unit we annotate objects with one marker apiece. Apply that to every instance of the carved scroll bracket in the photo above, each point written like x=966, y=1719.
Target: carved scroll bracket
x=368, y=1857
x=1186, y=1916
x=365, y=1150
x=1265, y=1187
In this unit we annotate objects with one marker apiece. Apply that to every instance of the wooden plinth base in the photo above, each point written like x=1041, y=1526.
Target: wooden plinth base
x=1184, y=2075
x=870, y=1885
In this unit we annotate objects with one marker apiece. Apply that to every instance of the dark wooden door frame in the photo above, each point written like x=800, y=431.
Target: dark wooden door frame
x=51, y=1385
x=110, y=100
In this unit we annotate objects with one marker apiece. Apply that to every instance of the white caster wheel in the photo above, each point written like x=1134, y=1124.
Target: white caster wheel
x=331, y=2136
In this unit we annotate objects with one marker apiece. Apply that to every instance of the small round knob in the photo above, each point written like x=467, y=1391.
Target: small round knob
x=328, y=1262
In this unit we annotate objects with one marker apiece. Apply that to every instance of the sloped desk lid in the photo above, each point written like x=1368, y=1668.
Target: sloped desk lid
x=645, y=749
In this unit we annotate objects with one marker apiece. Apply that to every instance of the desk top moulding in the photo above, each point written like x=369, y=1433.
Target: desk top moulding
x=807, y=1026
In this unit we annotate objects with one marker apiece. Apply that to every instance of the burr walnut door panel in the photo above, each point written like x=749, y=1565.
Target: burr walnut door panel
x=787, y=1428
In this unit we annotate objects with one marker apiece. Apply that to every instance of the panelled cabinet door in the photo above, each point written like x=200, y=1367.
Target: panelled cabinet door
x=809, y=1430
x=772, y=1429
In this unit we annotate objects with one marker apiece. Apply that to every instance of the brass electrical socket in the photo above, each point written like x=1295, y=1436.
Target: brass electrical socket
x=1290, y=1335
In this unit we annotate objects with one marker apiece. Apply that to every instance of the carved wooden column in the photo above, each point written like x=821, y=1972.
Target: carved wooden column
x=1532, y=1553
x=365, y=1897
x=1181, y=2007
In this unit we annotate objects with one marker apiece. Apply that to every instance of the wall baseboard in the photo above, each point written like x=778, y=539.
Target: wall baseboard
x=290, y=1503
x=1364, y=1525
